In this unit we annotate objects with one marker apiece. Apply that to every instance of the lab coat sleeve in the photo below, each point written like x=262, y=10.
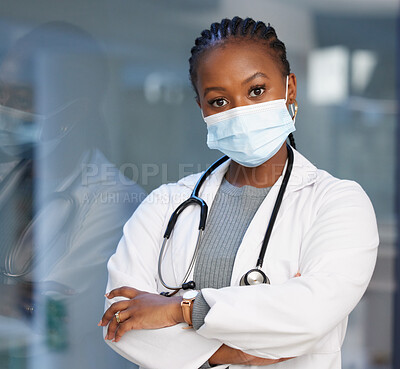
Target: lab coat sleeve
x=291, y=319
x=135, y=264
x=93, y=239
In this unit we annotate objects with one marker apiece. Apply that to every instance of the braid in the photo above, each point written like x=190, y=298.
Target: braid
x=248, y=22
x=224, y=27
x=291, y=140
x=206, y=34
x=259, y=25
x=215, y=30
x=279, y=47
x=234, y=25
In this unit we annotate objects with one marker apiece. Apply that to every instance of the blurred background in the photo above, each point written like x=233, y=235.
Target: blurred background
x=96, y=110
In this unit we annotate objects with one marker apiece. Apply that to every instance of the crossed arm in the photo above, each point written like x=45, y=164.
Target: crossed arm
x=143, y=310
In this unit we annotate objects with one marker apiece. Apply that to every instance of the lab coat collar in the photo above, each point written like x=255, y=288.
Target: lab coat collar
x=304, y=173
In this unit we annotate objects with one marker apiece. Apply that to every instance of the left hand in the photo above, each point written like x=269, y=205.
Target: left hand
x=229, y=355
x=142, y=310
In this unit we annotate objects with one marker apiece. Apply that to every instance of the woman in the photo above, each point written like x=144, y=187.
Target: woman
x=324, y=232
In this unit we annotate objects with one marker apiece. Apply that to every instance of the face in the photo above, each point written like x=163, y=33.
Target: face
x=240, y=73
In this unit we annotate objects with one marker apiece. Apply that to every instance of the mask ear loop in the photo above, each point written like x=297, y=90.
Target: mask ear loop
x=287, y=88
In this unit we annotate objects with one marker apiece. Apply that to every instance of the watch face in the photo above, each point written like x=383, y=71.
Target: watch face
x=190, y=294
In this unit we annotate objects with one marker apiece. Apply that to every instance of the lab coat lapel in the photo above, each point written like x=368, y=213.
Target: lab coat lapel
x=303, y=174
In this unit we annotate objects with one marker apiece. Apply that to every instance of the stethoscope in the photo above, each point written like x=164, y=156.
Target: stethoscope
x=19, y=259
x=253, y=276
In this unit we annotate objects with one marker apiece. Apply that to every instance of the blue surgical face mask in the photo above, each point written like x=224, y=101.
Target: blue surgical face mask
x=250, y=135
x=21, y=131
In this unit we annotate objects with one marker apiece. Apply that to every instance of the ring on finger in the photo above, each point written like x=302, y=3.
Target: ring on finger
x=117, y=317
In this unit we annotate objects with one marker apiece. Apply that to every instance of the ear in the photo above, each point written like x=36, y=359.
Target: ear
x=292, y=88
x=197, y=101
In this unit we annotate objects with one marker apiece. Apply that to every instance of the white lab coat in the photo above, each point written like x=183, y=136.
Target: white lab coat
x=325, y=229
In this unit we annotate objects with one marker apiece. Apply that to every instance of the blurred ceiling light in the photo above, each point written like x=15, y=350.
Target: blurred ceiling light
x=328, y=75
x=363, y=63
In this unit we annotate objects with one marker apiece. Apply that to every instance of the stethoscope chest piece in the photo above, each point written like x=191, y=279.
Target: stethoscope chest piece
x=253, y=277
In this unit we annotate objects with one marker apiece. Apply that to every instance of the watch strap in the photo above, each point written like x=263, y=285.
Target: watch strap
x=186, y=311
x=186, y=306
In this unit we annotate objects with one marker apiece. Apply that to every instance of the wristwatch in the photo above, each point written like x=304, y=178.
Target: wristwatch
x=188, y=298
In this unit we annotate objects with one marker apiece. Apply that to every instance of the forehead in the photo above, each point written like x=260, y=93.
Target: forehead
x=235, y=60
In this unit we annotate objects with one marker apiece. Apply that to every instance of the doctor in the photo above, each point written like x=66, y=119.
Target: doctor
x=324, y=234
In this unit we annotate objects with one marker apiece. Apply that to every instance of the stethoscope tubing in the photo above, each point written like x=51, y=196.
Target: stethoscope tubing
x=195, y=199
x=189, y=270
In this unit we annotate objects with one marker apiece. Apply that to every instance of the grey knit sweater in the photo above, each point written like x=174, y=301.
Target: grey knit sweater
x=230, y=215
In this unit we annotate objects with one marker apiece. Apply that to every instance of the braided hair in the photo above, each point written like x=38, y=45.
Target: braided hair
x=237, y=29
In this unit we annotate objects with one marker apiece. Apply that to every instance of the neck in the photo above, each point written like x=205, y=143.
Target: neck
x=265, y=175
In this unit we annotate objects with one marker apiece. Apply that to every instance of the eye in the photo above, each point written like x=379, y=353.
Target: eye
x=218, y=103
x=256, y=91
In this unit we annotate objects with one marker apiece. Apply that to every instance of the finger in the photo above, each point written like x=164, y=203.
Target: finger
x=110, y=312
x=125, y=291
x=297, y=274
x=114, y=325
x=123, y=328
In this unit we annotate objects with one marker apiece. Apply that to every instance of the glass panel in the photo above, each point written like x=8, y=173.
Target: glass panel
x=96, y=110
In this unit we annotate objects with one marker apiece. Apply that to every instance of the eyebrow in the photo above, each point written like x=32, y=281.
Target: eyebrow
x=255, y=75
x=208, y=89
x=247, y=80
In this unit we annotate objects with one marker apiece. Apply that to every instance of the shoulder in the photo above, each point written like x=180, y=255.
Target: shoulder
x=340, y=206
x=341, y=192
x=180, y=189
x=328, y=202
x=323, y=186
